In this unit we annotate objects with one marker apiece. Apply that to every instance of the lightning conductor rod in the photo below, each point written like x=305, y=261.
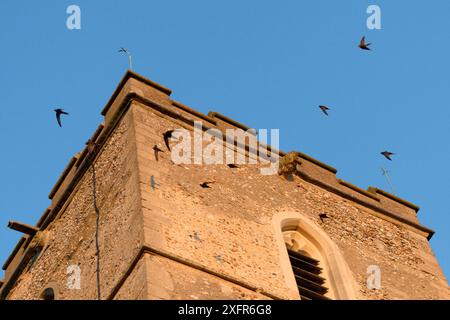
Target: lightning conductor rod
x=388, y=179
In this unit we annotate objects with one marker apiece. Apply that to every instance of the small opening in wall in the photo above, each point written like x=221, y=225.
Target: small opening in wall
x=48, y=294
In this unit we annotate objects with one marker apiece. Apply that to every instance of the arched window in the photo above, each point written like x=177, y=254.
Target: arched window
x=312, y=264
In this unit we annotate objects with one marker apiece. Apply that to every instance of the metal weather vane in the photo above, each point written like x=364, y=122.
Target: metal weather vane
x=128, y=53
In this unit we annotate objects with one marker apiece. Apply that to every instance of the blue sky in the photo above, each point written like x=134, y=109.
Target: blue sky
x=264, y=63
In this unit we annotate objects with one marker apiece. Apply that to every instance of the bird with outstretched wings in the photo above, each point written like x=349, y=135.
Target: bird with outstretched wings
x=167, y=135
x=387, y=155
x=59, y=112
x=363, y=45
x=324, y=109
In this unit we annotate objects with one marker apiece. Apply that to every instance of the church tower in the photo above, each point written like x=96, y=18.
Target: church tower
x=129, y=220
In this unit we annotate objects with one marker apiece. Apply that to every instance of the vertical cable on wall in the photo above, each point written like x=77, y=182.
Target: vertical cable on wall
x=97, y=224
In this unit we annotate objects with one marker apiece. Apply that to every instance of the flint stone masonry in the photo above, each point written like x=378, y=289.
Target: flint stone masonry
x=181, y=241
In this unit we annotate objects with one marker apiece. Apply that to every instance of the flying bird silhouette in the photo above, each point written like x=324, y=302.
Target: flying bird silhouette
x=324, y=109
x=206, y=184
x=157, y=150
x=387, y=154
x=323, y=216
x=124, y=50
x=363, y=45
x=59, y=112
x=167, y=136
